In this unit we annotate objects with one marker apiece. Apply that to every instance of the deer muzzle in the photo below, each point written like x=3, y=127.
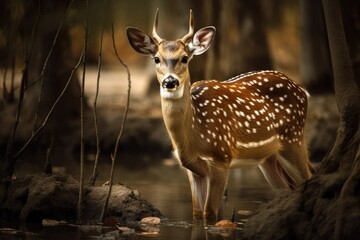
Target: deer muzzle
x=170, y=83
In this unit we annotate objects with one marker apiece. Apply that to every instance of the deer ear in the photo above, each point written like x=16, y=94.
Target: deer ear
x=202, y=40
x=141, y=42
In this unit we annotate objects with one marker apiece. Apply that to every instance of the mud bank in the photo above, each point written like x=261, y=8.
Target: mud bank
x=41, y=196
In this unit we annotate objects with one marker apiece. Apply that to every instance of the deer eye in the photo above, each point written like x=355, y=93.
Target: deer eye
x=184, y=59
x=157, y=60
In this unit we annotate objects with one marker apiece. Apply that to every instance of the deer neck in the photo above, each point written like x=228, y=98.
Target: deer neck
x=177, y=114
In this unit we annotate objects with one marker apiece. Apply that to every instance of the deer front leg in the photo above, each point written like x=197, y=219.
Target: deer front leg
x=198, y=185
x=216, y=186
x=198, y=172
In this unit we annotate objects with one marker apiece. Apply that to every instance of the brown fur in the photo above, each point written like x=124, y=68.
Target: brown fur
x=254, y=118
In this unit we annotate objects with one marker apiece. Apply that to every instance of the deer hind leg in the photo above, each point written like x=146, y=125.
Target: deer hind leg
x=294, y=158
x=275, y=173
x=287, y=168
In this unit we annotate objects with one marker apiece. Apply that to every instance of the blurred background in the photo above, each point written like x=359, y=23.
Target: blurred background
x=285, y=35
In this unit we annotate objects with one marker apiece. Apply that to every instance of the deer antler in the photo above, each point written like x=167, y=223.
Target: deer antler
x=188, y=36
x=154, y=33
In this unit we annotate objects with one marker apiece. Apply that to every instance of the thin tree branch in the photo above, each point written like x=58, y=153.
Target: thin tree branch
x=94, y=175
x=34, y=33
x=82, y=138
x=113, y=156
x=41, y=77
x=48, y=165
x=5, y=92
x=36, y=133
x=9, y=151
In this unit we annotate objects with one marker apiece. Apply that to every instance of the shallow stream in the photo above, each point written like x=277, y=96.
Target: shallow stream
x=165, y=185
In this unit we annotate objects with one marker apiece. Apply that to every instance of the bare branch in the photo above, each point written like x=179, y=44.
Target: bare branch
x=9, y=151
x=113, y=157
x=41, y=77
x=94, y=175
x=48, y=165
x=82, y=129
x=36, y=133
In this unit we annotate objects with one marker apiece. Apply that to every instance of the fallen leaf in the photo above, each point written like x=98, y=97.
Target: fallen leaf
x=226, y=224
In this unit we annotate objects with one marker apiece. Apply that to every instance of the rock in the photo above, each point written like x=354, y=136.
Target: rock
x=40, y=196
x=124, y=204
x=151, y=220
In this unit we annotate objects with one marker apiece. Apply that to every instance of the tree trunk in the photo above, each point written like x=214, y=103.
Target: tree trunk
x=347, y=94
x=315, y=64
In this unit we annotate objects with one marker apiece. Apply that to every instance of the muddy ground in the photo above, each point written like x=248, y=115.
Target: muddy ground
x=44, y=196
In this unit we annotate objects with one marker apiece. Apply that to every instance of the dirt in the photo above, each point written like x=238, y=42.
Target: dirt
x=41, y=196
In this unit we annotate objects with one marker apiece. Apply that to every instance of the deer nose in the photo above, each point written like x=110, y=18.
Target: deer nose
x=170, y=82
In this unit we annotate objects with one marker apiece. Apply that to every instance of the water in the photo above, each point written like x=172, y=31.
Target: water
x=165, y=185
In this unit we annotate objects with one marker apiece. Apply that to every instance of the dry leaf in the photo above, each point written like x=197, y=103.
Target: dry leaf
x=226, y=224
x=151, y=220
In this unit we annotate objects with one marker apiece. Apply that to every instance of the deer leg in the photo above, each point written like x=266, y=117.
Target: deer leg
x=275, y=174
x=288, y=168
x=198, y=185
x=216, y=185
x=294, y=158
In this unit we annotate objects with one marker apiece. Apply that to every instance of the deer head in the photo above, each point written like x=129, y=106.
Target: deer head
x=172, y=57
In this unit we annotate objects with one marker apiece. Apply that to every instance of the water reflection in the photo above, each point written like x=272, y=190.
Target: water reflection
x=166, y=187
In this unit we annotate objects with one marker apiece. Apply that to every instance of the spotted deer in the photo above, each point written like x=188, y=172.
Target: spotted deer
x=255, y=118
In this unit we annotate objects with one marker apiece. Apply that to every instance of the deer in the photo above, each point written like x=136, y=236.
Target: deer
x=256, y=118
